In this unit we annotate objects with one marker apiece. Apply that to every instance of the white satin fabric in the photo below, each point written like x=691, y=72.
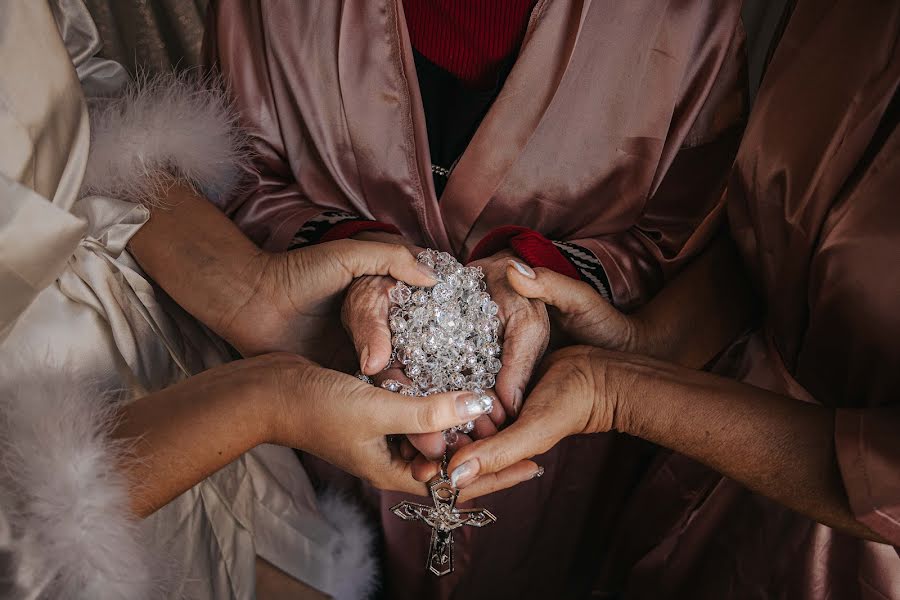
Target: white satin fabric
x=71, y=298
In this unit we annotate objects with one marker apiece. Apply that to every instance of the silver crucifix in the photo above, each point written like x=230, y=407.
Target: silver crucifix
x=443, y=518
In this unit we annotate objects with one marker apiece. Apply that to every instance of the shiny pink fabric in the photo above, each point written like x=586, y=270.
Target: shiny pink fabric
x=813, y=207
x=614, y=129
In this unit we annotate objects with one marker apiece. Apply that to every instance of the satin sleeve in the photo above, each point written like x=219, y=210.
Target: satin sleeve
x=270, y=207
x=868, y=449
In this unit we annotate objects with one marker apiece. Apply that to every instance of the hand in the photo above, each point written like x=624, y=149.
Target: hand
x=365, y=317
x=295, y=299
x=524, y=327
x=575, y=394
x=345, y=421
x=576, y=308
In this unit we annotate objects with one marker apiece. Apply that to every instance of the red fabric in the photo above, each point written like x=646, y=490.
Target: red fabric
x=342, y=231
x=468, y=38
x=529, y=245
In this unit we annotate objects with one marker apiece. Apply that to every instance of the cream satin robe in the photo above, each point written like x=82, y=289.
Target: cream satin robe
x=78, y=321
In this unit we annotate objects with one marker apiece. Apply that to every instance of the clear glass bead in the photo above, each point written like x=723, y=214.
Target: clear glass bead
x=391, y=385
x=400, y=294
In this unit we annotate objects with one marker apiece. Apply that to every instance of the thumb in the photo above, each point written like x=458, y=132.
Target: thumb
x=378, y=258
x=399, y=414
x=523, y=439
x=561, y=291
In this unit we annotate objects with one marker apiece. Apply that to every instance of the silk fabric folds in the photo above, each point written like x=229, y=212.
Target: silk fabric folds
x=75, y=307
x=812, y=204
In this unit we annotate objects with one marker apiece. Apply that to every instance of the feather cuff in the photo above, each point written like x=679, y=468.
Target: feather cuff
x=69, y=528
x=164, y=129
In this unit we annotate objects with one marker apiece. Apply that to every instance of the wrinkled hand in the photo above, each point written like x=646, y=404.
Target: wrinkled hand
x=524, y=328
x=345, y=421
x=576, y=309
x=576, y=394
x=365, y=314
x=295, y=302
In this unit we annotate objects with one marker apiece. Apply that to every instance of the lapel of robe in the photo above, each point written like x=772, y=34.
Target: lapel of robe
x=515, y=114
x=379, y=91
x=385, y=120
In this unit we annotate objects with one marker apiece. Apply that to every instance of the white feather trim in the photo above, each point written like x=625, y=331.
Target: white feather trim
x=168, y=127
x=63, y=496
x=355, y=557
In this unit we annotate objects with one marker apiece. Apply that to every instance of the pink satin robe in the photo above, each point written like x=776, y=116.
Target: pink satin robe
x=813, y=206
x=615, y=130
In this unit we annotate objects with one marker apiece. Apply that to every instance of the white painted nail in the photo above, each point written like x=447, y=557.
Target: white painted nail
x=523, y=269
x=470, y=405
x=464, y=474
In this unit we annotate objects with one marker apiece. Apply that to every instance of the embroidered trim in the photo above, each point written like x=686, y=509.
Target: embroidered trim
x=589, y=267
x=316, y=228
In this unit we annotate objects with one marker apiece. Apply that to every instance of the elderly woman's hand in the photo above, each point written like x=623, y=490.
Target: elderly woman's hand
x=182, y=434
x=575, y=394
x=524, y=327
x=576, y=309
x=295, y=300
x=345, y=421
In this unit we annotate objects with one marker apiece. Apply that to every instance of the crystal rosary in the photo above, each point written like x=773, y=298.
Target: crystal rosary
x=446, y=338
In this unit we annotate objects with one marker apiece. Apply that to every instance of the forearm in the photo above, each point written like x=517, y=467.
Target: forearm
x=183, y=434
x=199, y=257
x=700, y=311
x=776, y=446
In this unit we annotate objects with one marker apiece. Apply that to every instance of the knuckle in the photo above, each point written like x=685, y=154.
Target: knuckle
x=428, y=416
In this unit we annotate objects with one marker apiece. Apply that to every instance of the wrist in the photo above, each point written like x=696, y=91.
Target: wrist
x=281, y=377
x=616, y=379
x=639, y=336
x=246, y=281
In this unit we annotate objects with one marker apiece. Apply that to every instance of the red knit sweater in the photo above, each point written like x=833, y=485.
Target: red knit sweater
x=469, y=38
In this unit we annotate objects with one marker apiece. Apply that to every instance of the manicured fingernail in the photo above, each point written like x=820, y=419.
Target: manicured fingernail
x=425, y=269
x=471, y=405
x=517, y=402
x=523, y=269
x=464, y=473
x=537, y=474
x=364, y=359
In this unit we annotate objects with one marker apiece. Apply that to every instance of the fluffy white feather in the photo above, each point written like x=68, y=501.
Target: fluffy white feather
x=63, y=496
x=160, y=129
x=355, y=557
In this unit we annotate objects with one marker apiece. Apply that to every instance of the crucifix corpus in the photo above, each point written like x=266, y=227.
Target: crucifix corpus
x=443, y=518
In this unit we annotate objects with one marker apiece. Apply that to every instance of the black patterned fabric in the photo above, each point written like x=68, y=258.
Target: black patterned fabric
x=588, y=266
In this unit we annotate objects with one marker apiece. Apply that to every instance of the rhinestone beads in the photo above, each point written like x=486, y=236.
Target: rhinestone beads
x=446, y=337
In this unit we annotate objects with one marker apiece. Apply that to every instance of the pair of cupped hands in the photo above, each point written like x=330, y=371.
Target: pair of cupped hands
x=395, y=441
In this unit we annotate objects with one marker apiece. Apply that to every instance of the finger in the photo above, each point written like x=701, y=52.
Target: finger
x=398, y=476
x=407, y=450
x=524, y=344
x=498, y=415
x=528, y=436
x=462, y=439
x=561, y=291
x=365, y=317
x=397, y=413
x=377, y=258
x=484, y=427
x=519, y=472
x=431, y=445
x=424, y=470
